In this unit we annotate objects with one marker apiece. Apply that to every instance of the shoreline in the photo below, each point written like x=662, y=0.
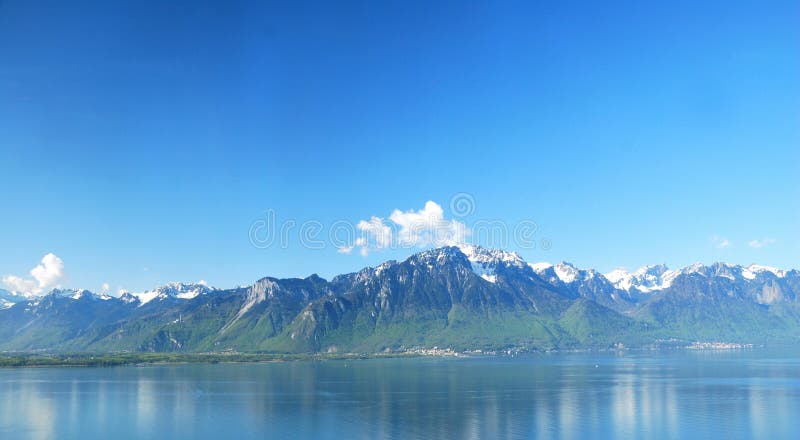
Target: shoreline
x=40, y=360
x=44, y=360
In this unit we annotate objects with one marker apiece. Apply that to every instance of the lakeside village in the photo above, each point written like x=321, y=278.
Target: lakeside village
x=449, y=352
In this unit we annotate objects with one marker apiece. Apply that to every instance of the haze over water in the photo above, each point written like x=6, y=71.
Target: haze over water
x=738, y=394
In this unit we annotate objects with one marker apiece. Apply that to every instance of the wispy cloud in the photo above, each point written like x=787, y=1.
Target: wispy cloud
x=376, y=234
x=720, y=242
x=410, y=229
x=760, y=243
x=47, y=274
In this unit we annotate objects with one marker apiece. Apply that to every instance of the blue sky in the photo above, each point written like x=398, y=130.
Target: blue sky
x=141, y=141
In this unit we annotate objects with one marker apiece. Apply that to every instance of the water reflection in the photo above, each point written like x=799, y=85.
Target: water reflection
x=21, y=402
x=575, y=396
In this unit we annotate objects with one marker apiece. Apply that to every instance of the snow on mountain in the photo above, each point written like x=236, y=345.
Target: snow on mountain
x=484, y=272
x=484, y=262
x=8, y=299
x=566, y=272
x=646, y=279
x=79, y=294
x=756, y=269
x=620, y=278
x=4, y=303
x=172, y=290
x=540, y=267
x=491, y=256
x=15, y=297
x=562, y=272
x=85, y=293
x=653, y=277
x=127, y=297
x=383, y=266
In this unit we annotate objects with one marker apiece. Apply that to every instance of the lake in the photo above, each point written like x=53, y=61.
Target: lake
x=682, y=394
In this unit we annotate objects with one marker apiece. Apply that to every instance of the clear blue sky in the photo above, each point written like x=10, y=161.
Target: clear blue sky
x=139, y=140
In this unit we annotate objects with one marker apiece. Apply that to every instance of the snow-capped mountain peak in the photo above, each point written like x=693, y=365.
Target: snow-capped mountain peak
x=9, y=298
x=541, y=266
x=83, y=293
x=484, y=261
x=648, y=279
x=562, y=272
x=695, y=268
x=757, y=269
x=128, y=297
x=77, y=294
x=566, y=272
x=173, y=290
x=645, y=279
x=490, y=256
x=620, y=278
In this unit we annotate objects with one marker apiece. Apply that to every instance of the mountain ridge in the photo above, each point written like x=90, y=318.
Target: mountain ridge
x=466, y=297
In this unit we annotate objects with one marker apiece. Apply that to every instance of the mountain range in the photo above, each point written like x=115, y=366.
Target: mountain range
x=465, y=298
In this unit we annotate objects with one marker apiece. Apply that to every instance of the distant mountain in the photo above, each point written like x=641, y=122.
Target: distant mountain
x=464, y=297
x=173, y=291
x=8, y=299
x=645, y=280
x=586, y=283
x=79, y=294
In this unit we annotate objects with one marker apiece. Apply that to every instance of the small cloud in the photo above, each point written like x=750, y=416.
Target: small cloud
x=47, y=274
x=362, y=242
x=758, y=244
x=121, y=291
x=105, y=287
x=720, y=242
x=203, y=283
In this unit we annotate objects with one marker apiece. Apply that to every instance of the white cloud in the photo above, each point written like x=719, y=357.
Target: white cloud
x=720, y=242
x=18, y=284
x=421, y=228
x=764, y=242
x=105, y=287
x=47, y=274
x=427, y=227
x=377, y=231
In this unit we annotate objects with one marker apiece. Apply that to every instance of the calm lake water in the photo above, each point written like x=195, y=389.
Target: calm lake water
x=744, y=394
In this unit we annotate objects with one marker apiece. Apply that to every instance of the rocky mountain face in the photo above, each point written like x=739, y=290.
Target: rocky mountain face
x=463, y=297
